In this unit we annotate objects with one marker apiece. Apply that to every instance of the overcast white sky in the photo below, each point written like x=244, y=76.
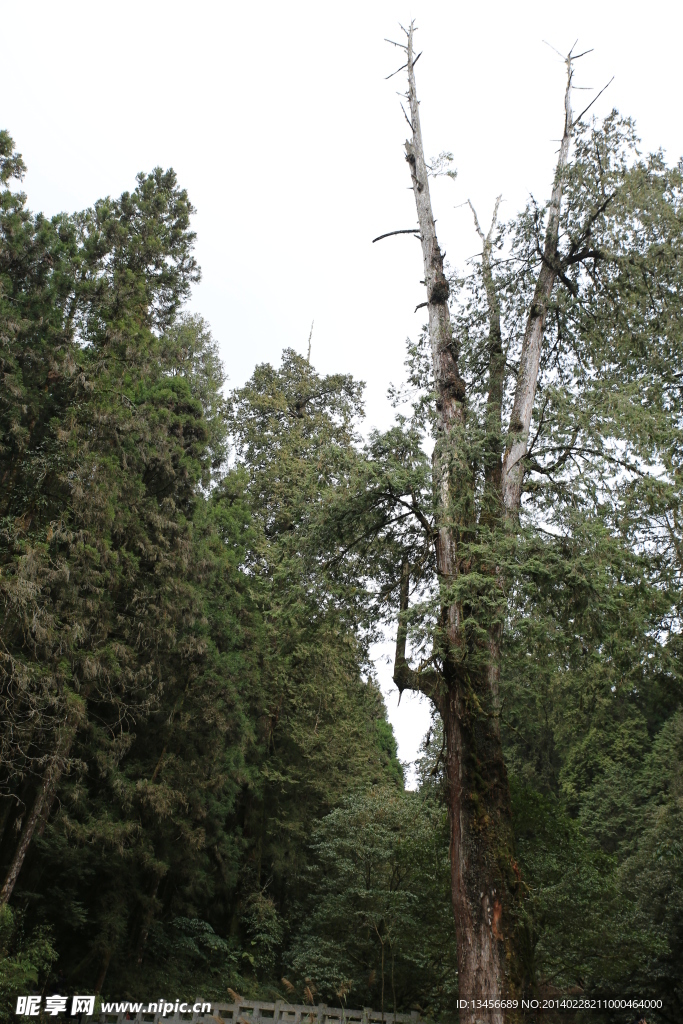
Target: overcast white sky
x=279, y=121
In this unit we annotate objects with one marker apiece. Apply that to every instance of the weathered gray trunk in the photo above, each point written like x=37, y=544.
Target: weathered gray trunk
x=530, y=358
x=449, y=384
x=479, y=808
x=493, y=446
x=484, y=876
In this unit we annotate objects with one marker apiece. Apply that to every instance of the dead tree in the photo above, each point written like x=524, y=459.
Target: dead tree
x=485, y=881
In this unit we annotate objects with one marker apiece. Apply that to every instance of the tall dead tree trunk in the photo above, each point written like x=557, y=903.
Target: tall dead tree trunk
x=485, y=883
x=479, y=805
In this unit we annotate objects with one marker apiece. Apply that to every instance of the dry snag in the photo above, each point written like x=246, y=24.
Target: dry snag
x=485, y=880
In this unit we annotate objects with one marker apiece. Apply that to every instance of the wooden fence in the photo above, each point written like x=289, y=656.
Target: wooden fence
x=250, y=1012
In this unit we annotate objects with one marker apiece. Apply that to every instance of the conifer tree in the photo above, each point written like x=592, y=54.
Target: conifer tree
x=182, y=693
x=534, y=385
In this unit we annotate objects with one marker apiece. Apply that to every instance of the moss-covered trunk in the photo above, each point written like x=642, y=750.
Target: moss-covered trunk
x=483, y=880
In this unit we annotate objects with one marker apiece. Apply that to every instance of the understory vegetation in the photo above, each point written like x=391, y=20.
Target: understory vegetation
x=199, y=788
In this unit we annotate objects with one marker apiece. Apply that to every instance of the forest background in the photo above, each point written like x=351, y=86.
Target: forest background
x=132, y=50
x=190, y=682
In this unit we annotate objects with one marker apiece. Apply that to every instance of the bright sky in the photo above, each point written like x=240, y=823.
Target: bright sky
x=278, y=120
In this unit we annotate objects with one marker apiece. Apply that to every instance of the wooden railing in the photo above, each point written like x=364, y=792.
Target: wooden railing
x=248, y=1011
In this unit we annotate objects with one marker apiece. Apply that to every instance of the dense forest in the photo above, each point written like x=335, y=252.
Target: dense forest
x=200, y=790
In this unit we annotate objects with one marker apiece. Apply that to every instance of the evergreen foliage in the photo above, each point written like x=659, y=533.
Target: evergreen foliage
x=191, y=735
x=181, y=701
x=379, y=929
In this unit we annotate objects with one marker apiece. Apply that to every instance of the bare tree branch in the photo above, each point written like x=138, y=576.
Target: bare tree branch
x=415, y=509
x=401, y=231
x=595, y=98
x=527, y=377
x=395, y=72
x=403, y=66
x=408, y=121
x=310, y=335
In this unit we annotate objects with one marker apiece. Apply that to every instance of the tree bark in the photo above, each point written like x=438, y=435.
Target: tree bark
x=493, y=448
x=25, y=839
x=42, y=800
x=147, y=918
x=485, y=881
x=527, y=376
x=479, y=804
x=492, y=506
x=102, y=973
x=401, y=668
